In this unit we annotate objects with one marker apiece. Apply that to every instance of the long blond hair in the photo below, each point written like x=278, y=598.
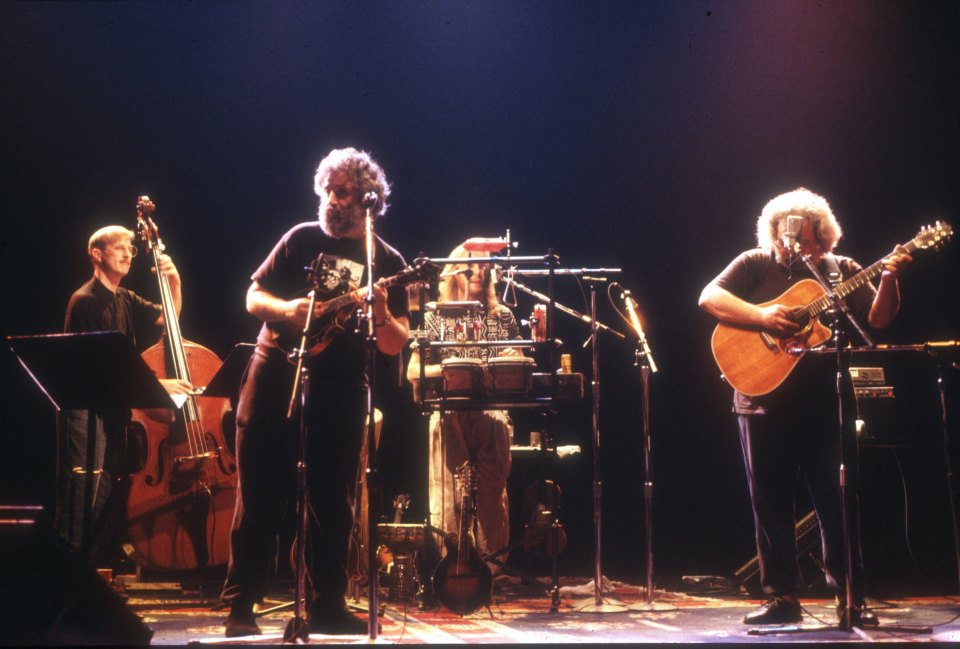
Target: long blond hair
x=449, y=287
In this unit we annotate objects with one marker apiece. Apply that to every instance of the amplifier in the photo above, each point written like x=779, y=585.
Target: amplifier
x=876, y=408
x=867, y=376
x=873, y=391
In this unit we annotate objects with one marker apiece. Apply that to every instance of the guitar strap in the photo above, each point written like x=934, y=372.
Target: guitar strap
x=833, y=274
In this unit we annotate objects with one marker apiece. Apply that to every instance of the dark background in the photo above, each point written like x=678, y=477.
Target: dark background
x=645, y=136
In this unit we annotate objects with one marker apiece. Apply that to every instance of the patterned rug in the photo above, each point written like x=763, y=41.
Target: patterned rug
x=521, y=615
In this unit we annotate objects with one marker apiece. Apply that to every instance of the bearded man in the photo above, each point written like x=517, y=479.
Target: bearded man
x=330, y=253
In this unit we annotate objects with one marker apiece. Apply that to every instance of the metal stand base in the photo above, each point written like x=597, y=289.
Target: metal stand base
x=602, y=603
x=652, y=607
x=607, y=606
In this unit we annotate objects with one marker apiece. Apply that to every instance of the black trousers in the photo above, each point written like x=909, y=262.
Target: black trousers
x=106, y=471
x=800, y=441
x=267, y=459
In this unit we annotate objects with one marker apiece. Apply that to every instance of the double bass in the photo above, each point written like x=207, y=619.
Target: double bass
x=181, y=493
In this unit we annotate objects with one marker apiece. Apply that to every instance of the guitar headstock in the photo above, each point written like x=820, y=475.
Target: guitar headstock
x=933, y=236
x=466, y=476
x=401, y=503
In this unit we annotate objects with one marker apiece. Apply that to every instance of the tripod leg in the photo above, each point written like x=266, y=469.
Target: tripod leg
x=555, y=586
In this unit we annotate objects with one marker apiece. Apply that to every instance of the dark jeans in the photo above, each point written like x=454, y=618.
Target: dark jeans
x=267, y=460
x=778, y=449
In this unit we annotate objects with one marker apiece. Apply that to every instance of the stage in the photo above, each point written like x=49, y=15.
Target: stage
x=522, y=616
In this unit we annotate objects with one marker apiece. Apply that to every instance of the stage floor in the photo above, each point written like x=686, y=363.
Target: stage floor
x=520, y=615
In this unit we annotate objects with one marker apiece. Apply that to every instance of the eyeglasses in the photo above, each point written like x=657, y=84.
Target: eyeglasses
x=131, y=250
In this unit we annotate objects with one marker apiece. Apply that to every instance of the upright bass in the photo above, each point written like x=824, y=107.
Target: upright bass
x=181, y=496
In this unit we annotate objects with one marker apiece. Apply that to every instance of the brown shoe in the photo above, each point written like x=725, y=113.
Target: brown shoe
x=775, y=611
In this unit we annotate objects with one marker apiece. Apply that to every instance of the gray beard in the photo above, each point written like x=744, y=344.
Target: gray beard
x=340, y=223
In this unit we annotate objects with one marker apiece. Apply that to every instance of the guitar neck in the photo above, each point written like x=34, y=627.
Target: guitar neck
x=824, y=302
x=466, y=518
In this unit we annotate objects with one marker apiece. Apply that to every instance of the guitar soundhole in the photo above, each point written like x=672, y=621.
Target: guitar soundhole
x=801, y=318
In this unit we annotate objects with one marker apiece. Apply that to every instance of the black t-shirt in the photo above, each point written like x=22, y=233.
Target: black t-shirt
x=341, y=266
x=94, y=307
x=756, y=277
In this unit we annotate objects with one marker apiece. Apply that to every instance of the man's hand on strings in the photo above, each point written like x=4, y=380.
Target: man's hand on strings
x=778, y=318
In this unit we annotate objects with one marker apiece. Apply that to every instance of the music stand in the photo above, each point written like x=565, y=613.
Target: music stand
x=226, y=382
x=89, y=371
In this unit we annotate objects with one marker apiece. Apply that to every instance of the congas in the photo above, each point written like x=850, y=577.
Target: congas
x=510, y=376
x=462, y=377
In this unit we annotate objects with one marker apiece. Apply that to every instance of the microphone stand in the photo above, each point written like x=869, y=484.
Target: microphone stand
x=944, y=421
x=572, y=312
x=643, y=358
x=369, y=326
x=845, y=390
x=598, y=605
x=296, y=629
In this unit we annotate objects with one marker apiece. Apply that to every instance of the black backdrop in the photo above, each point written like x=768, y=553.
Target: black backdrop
x=640, y=135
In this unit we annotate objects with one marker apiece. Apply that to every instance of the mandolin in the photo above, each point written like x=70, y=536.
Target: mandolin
x=462, y=581
x=755, y=362
x=332, y=315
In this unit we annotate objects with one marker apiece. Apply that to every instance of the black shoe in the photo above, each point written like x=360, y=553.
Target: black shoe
x=337, y=621
x=240, y=624
x=776, y=611
x=860, y=616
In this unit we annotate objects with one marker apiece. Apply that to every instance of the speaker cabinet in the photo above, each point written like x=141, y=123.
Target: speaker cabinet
x=809, y=556
x=49, y=595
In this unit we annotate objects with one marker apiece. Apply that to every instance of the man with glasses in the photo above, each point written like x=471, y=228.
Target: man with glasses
x=101, y=304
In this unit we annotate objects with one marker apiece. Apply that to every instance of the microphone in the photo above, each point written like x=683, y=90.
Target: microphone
x=632, y=308
x=453, y=273
x=791, y=233
x=369, y=199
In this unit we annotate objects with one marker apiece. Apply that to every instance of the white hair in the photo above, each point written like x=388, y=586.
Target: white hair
x=814, y=209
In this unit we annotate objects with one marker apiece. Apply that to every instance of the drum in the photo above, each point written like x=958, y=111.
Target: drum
x=462, y=377
x=510, y=376
x=402, y=537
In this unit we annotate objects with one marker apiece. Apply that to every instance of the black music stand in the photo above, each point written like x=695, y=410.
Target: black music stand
x=226, y=382
x=89, y=371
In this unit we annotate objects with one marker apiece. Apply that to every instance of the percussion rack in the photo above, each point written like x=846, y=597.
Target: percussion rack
x=547, y=403
x=433, y=403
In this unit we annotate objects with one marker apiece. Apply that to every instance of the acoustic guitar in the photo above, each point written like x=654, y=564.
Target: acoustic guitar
x=755, y=361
